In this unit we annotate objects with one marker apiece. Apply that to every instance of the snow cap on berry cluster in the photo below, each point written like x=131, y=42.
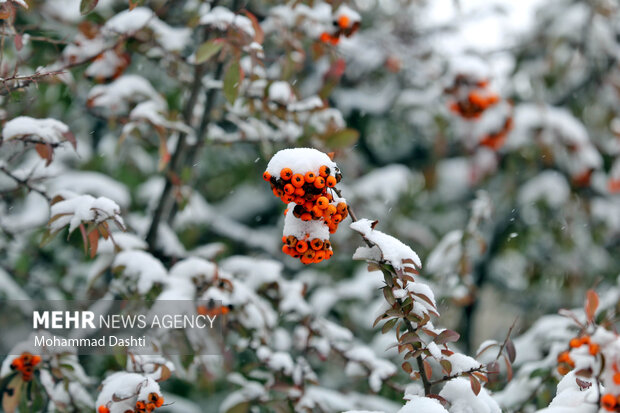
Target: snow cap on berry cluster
x=303, y=230
x=300, y=161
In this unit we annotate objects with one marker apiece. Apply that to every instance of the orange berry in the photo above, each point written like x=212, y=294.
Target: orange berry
x=306, y=260
x=289, y=189
x=330, y=181
x=331, y=210
x=333, y=229
x=563, y=357
x=26, y=358
x=283, y=237
x=266, y=176
x=324, y=171
x=574, y=343
x=291, y=241
x=563, y=370
x=103, y=409
x=299, y=200
x=585, y=340
x=159, y=402
x=298, y=180
x=306, y=216
x=319, y=182
x=325, y=37
x=286, y=198
x=301, y=246
x=343, y=22
x=308, y=206
x=140, y=405
x=341, y=208
x=309, y=177
x=608, y=401
x=328, y=254
x=316, y=244
x=17, y=364
x=617, y=379
x=322, y=202
x=327, y=245
x=316, y=212
x=319, y=256
x=150, y=407
x=334, y=40
x=594, y=349
x=286, y=249
x=300, y=192
x=310, y=254
x=286, y=174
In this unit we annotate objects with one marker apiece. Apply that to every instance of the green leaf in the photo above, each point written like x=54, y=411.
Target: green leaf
x=232, y=81
x=388, y=325
x=343, y=138
x=86, y=6
x=207, y=50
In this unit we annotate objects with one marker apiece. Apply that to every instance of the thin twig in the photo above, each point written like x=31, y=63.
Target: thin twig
x=24, y=182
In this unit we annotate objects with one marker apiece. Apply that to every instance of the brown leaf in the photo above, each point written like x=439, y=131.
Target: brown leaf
x=259, y=35
x=93, y=238
x=45, y=151
x=12, y=394
x=428, y=369
x=407, y=367
x=165, y=373
x=510, y=350
x=446, y=365
x=591, y=305
x=475, y=384
x=447, y=336
x=84, y=238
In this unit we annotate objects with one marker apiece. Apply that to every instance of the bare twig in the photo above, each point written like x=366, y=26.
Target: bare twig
x=24, y=183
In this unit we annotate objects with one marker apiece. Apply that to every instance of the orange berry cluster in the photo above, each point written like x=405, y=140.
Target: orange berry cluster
x=308, y=252
x=142, y=406
x=610, y=401
x=343, y=25
x=565, y=363
x=472, y=97
x=310, y=201
x=25, y=364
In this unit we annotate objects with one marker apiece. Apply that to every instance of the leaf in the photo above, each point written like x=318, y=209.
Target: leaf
x=591, y=305
x=18, y=40
x=259, y=35
x=84, y=238
x=410, y=337
x=93, y=238
x=428, y=370
x=475, y=384
x=11, y=395
x=510, y=350
x=86, y=6
x=388, y=325
x=45, y=151
x=583, y=384
x=446, y=365
x=208, y=49
x=493, y=371
x=447, y=336
x=343, y=138
x=389, y=295
x=407, y=367
x=508, y=369
x=165, y=373
x=232, y=81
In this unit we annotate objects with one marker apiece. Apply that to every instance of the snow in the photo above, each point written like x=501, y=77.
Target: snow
x=48, y=130
x=91, y=183
x=122, y=390
x=222, y=18
x=548, y=186
x=281, y=92
x=300, y=161
x=419, y=404
x=392, y=250
x=117, y=95
x=571, y=399
x=83, y=209
x=142, y=268
x=379, y=369
x=303, y=230
x=463, y=400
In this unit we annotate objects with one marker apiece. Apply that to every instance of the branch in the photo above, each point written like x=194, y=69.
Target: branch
x=425, y=382
x=24, y=182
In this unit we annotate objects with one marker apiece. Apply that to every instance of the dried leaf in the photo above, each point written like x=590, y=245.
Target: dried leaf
x=165, y=373
x=12, y=394
x=591, y=304
x=45, y=151
x=93, y=239
x=428, y=370
x=407, y=367
x=259, y=35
